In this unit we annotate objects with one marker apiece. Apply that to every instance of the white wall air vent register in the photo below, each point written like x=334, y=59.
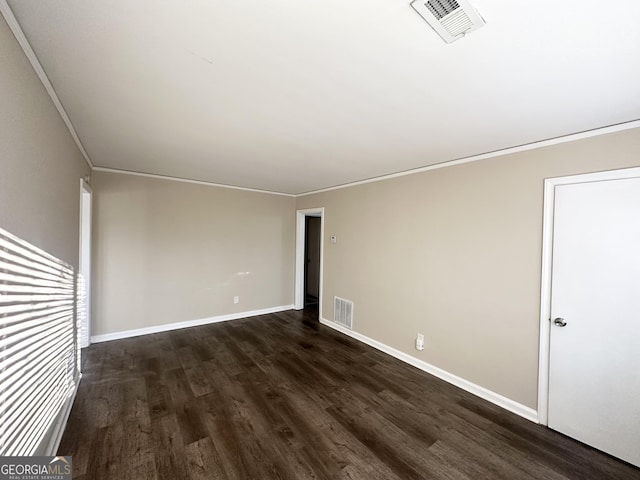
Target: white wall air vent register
x=451, y=19
x=343, y=312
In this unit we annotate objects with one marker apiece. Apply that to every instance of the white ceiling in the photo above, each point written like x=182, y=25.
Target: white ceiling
x=298, y=95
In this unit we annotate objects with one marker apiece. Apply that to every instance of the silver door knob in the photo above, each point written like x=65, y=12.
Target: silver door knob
x=559, y=322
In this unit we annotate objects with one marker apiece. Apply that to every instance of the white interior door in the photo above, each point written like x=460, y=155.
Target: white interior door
x=594, y=374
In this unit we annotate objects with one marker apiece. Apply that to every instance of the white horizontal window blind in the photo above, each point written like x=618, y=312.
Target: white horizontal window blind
x=39, y=358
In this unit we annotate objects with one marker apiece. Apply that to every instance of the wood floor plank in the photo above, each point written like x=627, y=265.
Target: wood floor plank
x=234, y=459
x=168, y=448
x=158, y=396
x=203, y=461
x=191, y=423
x=280, y=396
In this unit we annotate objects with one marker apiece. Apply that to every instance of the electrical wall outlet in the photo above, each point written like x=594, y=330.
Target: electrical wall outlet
x=236, y=299
x=420, y=342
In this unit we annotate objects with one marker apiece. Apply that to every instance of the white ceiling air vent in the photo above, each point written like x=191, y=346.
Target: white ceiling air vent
x=451, y=19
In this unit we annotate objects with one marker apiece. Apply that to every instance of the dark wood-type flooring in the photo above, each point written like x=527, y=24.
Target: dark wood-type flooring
x=281, y=397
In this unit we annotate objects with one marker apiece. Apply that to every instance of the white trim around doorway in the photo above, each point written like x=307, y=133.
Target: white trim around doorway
x=84, y=261
x=300, y=241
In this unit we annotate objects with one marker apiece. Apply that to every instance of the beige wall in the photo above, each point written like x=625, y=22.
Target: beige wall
x=455, y=253
x=40, y=165
x=167, y=251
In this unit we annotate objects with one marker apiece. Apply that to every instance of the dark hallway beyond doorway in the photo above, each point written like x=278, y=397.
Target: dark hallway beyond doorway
x=312, y=268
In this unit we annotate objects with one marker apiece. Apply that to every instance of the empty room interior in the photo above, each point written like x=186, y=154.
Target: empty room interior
x=321, y=240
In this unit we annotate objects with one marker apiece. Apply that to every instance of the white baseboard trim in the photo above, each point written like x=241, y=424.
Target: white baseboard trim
x=61, y=423
x=107, y=337
x=495, y=398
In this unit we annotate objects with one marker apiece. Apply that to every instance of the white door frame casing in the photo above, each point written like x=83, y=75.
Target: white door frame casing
x=300, y=260
x=550, y=185
x=84, y=261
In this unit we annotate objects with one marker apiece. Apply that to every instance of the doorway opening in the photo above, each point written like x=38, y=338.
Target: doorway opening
x=312, y=262
x=84, y=265
x=309, y=261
